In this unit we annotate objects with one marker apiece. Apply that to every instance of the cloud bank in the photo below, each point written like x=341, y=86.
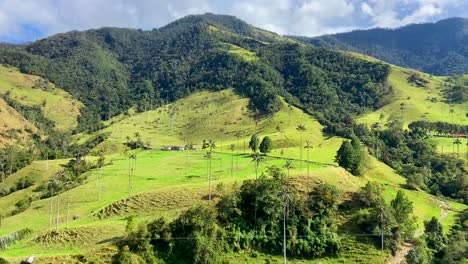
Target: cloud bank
x=27, y=20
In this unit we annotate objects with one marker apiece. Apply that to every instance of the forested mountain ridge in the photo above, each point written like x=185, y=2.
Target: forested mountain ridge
x=438, y=48
x=111, y=69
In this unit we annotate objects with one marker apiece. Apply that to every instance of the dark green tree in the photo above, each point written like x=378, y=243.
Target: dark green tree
x=266, y=146
x=254, y=143
x=435, y=238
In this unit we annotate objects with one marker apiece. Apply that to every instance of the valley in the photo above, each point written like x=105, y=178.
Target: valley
x=116, y=147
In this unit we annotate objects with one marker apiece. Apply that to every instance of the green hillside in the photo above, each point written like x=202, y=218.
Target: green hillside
x=14, y=127
x=412, y=102
x=171, y=117
x=167, y=182
x=57, y=105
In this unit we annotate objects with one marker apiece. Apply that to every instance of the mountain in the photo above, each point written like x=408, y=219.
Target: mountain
x=128, y=134
x=439, y=48
x=111, y=70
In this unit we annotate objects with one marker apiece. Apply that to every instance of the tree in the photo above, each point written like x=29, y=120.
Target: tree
x=350, y=156
x=371, y=195
x=435, y=237
x=266, y=146
x=280, y=129
x=345, y=156
x=301, y=128
x=232, y=147
x=131, y=169
x=101, y=160
x=254, y=143
x=238, y=135
x=201, y=225
x=209, y=144
x=323, y=200
x=257, y=158
x=308, y=146
x=402, y=209
x=458, y=143
x=288, y=166
x=375, y=128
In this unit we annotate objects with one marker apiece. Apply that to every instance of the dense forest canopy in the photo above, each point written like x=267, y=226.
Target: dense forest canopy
x=437, y=48
x=112, y=69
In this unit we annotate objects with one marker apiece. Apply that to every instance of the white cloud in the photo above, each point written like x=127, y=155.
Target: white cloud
x=422, y=14
x=300, y=17
x=366, y=9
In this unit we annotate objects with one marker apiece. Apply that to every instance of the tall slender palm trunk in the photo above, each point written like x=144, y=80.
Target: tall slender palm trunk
x=58, y=212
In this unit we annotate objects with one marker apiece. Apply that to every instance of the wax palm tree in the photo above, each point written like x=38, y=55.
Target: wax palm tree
x=288, y=166
x=101, y=160
x=68, y=183
x=209, y=156
x=232, y=147
x=58, y=179
x=51, y=186
x=209, y=144
x=131, y=169
x=375, y=128
x=238, y=135
x=458, y=143
x=402, y=109
x=452, y=111
x=301, y=128
x=281, y=131
x=257, y=158
x=308, y=146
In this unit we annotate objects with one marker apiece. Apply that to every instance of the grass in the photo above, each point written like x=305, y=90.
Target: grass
x=446, y=146
x=245, y=54
x=33, y=90
x=39, y=171
x=14, y=126
x=218, y=116
x=417, y=103
x=168, y=182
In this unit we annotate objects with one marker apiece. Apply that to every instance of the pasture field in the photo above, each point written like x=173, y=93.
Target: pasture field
x=413, y=103
x=57, y=105
x=165, y=183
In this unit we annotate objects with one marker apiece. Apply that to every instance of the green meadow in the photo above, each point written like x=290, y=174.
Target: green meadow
x=165, y=183
x=57, y=105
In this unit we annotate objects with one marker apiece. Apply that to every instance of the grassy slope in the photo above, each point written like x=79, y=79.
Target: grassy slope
x=39, y=171
x=60, y=106
x=445, y=145
x=13, y=126
x=417, y=106
x=219, y=116
x=169, y=182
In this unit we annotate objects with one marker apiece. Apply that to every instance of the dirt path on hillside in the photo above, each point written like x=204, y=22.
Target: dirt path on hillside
x=444, y=208
x=406, y=247
x=401, y=254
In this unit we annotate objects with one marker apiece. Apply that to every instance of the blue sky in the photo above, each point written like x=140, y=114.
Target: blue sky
x=27, y=20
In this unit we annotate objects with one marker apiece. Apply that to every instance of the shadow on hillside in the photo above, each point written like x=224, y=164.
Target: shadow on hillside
x=111, y=240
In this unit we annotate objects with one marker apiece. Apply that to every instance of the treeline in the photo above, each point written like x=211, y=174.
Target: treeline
x=264, y=216
x=411, y=154
x=49, y=143
x=441, y=128
x=435, y=247
x=457, y=90
x=251, y=218
x=112, y=69
x=14, y=158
